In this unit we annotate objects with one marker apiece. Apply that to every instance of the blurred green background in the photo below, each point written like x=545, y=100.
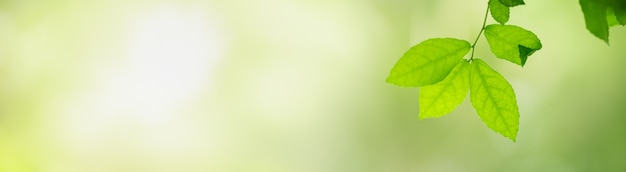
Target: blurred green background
x=290, y=85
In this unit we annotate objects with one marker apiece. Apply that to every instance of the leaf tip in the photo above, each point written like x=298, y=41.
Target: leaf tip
x=421, y=117
x=513, y=137
x=424, y=114
x=395, y=81
x=511, y=134
x=388, y=79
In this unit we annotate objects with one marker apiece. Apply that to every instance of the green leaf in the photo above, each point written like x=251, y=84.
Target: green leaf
x=595, y=18
x=440, y=99
x=499, y=12
x=512, y=43
x=512, y=3
x=428, y=62
x=611, y=19
x=620, y=14
x=494, y=99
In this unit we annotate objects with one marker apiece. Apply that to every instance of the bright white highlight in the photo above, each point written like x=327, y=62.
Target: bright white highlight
x=141, y=108
x=170, y=53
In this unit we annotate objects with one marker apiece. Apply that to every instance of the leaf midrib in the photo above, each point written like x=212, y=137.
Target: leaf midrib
x=443, y=89
x=483, y=81
x=431, y=61
x=501, y=38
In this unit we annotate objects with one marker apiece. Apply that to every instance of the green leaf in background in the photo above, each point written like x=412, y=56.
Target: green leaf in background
x=428, y=62
x=494, y=100
x=595, y=18
x=620, y=14
x=440, y=99
x=611, y=19
x=512, y=3
x=512, y=43
x=499, y=12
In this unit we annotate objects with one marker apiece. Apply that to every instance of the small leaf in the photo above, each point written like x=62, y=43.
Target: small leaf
x=494, y=99
x=511, y=42
x=428, y=62
x=524, y=52
x=499, y=12
x=512, y=3
x=442, y=98
x=595, y=18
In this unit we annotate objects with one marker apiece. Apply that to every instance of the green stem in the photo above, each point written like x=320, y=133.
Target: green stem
x=479, y=33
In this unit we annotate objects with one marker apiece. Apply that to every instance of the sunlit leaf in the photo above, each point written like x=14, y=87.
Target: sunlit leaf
x=428, y=62
x=499, y=12
x=512, y=43
x=442, y=98
x=494, y=99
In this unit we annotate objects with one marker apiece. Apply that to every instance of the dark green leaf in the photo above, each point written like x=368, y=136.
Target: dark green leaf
x=611, y=19
x=499, y=12
x=440, y=99
x=512, y=3
x=595, y=18
x=494, y=99
x=620, y=14
x=524, y=52
x=428, y=62
x=512, y=43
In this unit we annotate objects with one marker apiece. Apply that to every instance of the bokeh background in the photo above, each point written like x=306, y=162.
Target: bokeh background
x=290, y=85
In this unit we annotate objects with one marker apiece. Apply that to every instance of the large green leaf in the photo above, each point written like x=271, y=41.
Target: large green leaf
x=511, y=42
x=440, y=99
x=499, y=12
x=512, y=3
x=596, y=18
x=494, y=100
x=428, y=62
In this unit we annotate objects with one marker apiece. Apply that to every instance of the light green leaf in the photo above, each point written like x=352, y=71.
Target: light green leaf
x=595, y=18
x=428, y=62
x=440, y=99
x=494, y=100
x=512, y=3
x=511, y=42
x=499, y=12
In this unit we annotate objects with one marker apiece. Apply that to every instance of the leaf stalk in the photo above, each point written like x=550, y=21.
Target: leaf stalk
x=482, y=29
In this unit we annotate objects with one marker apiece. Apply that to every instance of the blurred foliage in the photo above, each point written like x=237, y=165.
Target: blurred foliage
x=602, y=14
x=284, y=85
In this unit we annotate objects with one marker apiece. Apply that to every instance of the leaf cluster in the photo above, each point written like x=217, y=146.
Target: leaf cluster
x=445, y=77
x=602, y=14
